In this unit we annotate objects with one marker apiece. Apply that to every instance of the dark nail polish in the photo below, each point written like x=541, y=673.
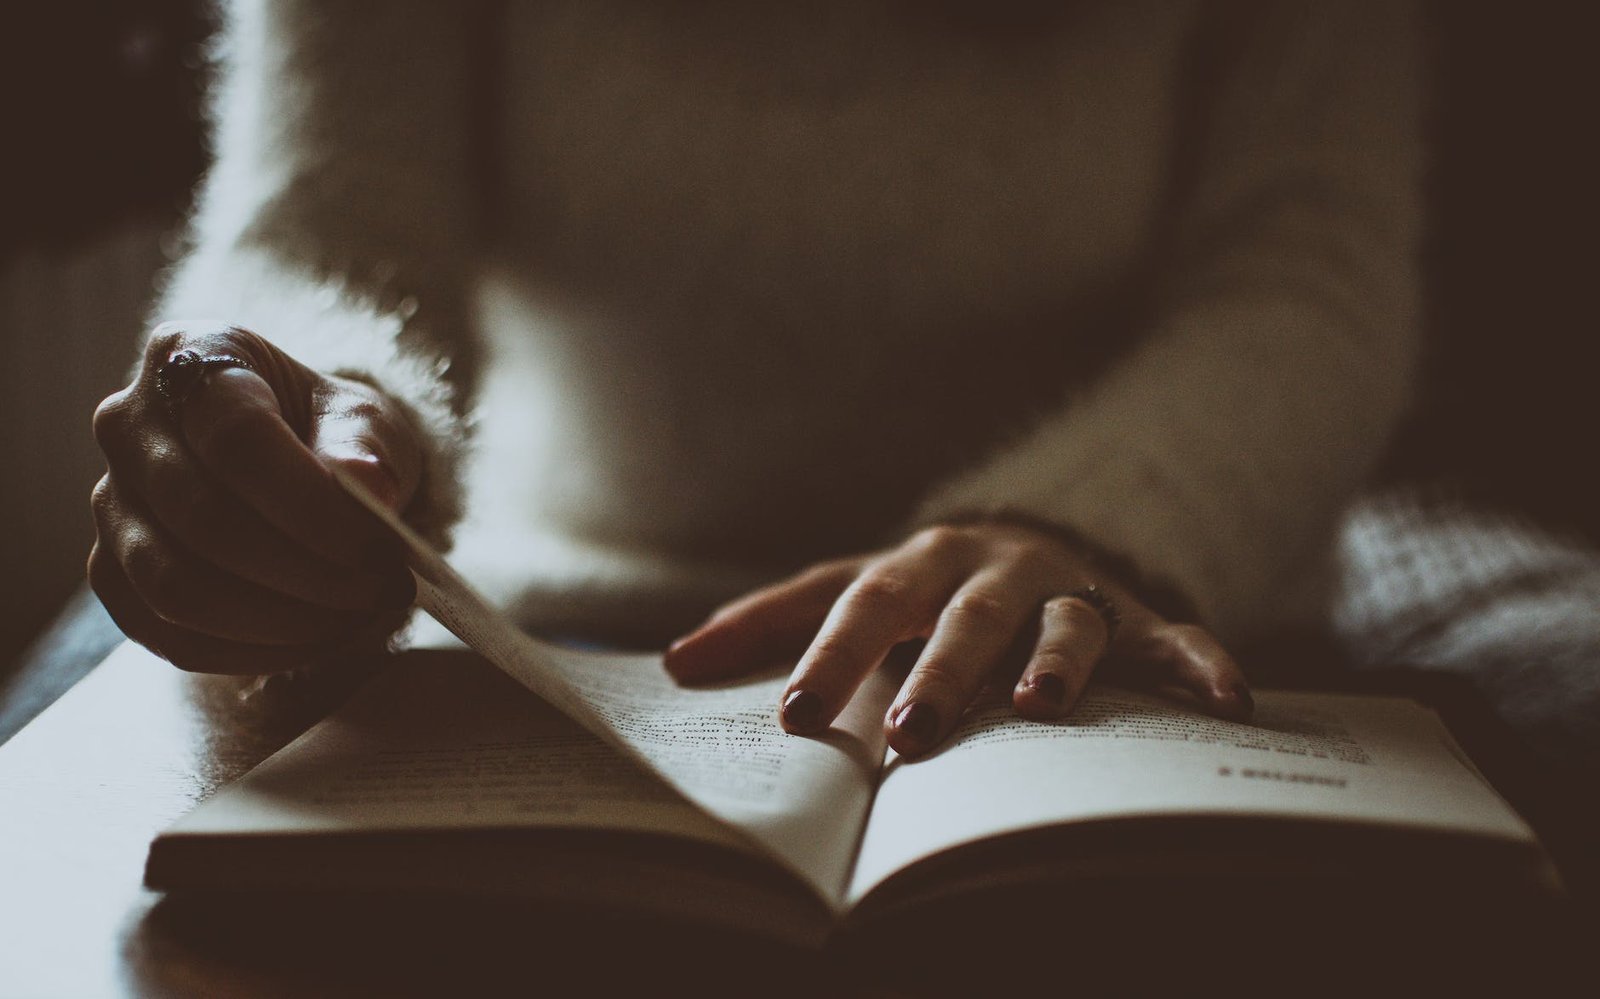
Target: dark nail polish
x=1049, y=687
x=919, y=723
x=802, y=711
x=1241, y=693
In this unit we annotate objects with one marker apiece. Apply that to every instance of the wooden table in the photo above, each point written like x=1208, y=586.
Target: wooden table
x=86, y=785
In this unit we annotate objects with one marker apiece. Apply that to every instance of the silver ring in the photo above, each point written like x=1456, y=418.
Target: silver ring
x=1103, y=605
x=180, y=373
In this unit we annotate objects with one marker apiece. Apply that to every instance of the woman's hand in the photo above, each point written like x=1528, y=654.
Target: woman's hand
x=983, y=595
x=223, y=542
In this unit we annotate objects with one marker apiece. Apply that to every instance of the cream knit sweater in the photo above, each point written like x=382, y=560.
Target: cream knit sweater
x=717, y=289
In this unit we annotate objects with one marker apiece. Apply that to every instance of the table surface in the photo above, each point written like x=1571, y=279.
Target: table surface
x=83, y=788
x=128, y=750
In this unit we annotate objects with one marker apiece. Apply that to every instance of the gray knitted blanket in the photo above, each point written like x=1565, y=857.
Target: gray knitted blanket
x=1427, y=581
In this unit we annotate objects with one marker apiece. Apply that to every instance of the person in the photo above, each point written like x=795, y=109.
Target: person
x=1052, y=335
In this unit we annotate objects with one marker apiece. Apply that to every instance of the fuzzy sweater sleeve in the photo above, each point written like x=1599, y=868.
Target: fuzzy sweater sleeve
x=335, y=219
x=1217, y=454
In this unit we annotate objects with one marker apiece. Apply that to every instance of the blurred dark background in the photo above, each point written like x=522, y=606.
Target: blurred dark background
x=101, y=113
x=1510, y=407
x=103, y=136
x=104, y=100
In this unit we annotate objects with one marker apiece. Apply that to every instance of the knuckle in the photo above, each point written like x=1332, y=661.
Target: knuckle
x=98, y=569
x=1035, y=560
x=818, y=574
x=101, y=499
x=159, y=580
x=111, y=417
x=939, y=679
x=941, y=538
x=103, y=574
x=882, y=594
x=834, y=574
x=983, y=610
x=829, y=649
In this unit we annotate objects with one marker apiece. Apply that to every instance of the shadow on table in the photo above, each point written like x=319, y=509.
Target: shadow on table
x=1248, y=938
x=410, y=946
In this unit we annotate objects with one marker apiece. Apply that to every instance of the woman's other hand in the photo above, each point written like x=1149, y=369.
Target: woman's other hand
x=983, y=595
x=223, y=542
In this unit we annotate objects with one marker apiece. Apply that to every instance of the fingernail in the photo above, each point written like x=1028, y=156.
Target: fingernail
x=1241, y=693
x=680, y=642
x=399, y=591
x=802, y=711
x=1048, y=687
x=919, y=723
x=672, y=659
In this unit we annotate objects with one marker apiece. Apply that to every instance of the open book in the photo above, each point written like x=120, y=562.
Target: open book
x=614, y=786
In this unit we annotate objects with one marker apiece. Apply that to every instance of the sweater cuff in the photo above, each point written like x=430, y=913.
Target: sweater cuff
x=330, y=329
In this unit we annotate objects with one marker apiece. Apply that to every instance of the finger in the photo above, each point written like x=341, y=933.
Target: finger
x=769, y=626
x=194, y=652
x=292, y=382
x=1072, y=640
x=975, y=631
x=150, y=460
x=233, y=425
x=1188, y=655
x=890, y=602
x=194, y=595
x=213, y=523
x=355, y=432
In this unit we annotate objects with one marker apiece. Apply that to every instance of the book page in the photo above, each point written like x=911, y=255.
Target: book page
x=1123, y=754
x=443, y=741
x=803, y=801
